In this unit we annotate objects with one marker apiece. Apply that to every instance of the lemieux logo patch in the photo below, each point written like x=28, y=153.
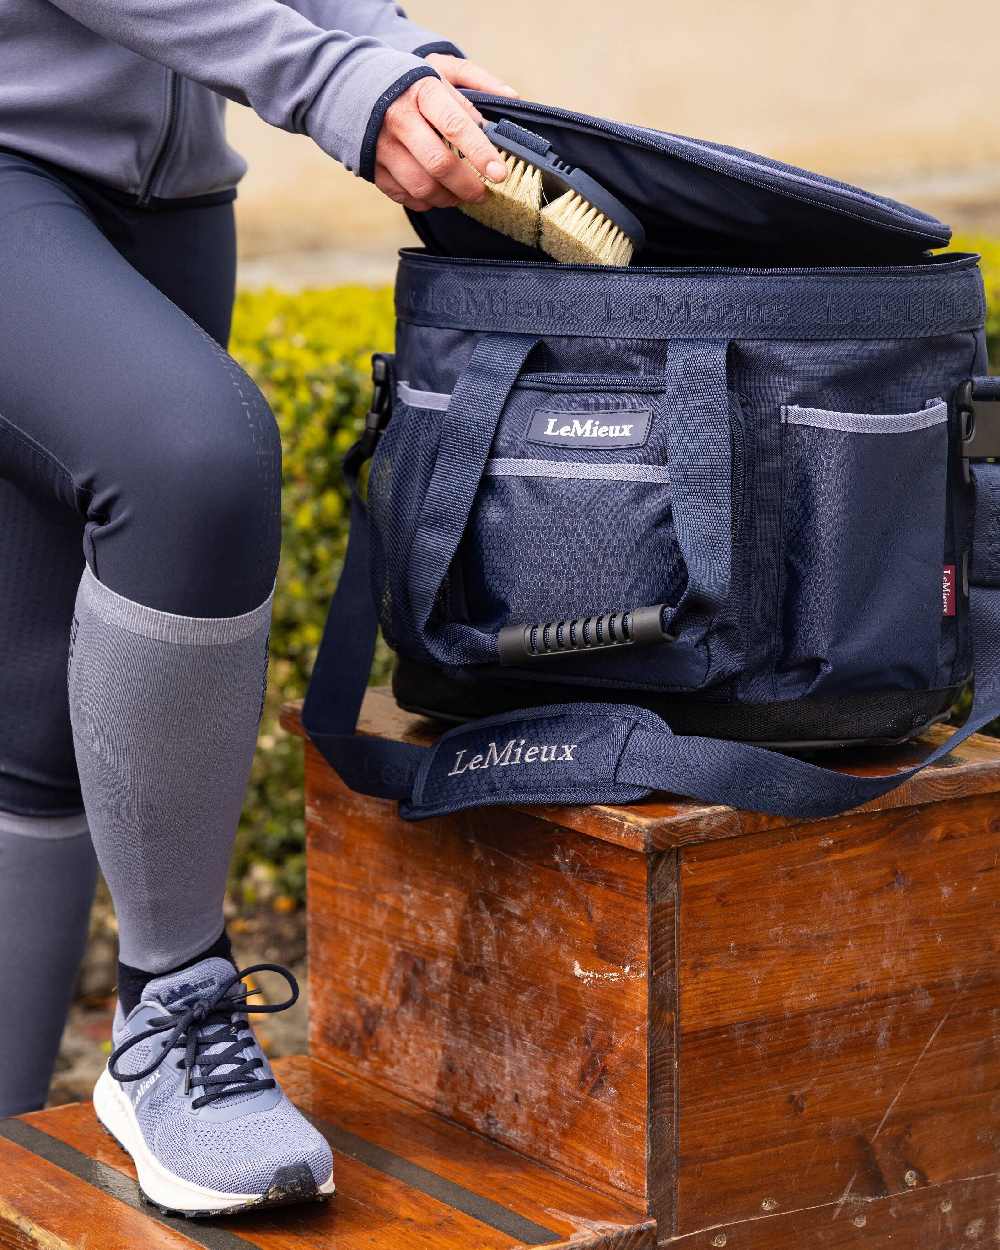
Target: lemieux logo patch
x=514, y=752
x=599, y=430
x=948, y=590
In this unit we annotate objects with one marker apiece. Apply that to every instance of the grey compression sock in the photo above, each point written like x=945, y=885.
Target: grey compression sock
x=47, y=878
x=165, y=712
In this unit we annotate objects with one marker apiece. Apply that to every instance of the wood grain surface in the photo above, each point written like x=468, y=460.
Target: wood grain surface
x=43, y=1205
x=840, y=1012
x=962, y=1215
x=491, y=966
x=777, y=1034
x=404, y=1177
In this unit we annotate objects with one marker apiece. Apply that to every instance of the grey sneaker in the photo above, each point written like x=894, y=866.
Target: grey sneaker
x=192, y=1098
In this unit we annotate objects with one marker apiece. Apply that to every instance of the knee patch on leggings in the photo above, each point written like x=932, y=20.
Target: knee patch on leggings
x=185, y=512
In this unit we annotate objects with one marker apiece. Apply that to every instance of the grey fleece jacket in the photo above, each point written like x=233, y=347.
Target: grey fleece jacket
x=132, y=92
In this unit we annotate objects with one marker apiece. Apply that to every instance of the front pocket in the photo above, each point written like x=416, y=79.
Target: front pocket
x=557, y=539
x=573, y=516
x=864, y=534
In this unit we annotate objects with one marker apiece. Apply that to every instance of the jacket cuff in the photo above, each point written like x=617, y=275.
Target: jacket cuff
x=366, y=163
x=439, y=45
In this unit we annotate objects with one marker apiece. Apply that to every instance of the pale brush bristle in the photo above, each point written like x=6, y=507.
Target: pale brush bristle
x=577, y=233
x=511, y=206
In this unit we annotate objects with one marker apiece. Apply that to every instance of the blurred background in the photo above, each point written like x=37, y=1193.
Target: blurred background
x=896, y=95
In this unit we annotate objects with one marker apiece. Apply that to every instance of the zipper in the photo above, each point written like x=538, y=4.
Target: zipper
x=162, y=148
x=957, y=260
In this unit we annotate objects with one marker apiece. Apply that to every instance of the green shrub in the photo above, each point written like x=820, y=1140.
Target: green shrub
x=989, y=249
x=309, y=353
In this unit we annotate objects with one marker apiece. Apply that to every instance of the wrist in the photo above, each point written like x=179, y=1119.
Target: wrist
x=346, y=115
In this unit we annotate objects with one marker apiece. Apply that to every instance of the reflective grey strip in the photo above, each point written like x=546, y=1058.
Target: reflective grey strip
x=422, y=399
x=574, y=469
x=868, y=422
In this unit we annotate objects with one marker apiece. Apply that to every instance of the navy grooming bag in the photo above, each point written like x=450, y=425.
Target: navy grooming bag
x=655, y=527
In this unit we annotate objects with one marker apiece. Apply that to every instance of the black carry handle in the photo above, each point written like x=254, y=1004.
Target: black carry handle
x=638, y=627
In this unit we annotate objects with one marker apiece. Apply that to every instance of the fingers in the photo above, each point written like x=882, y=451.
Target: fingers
x=436, y=104
x=466, y=104
x=439, y=162
x=415, y=164
x=388, y=185
x=463, y=73
x=411, y=174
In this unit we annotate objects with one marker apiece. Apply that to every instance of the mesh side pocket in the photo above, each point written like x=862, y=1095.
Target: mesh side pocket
x=864, y=538
x=400, y=473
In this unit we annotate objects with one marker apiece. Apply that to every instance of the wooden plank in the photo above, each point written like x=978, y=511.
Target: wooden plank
x=840, y=1012
x=660, y=822
x=641, y=1237
x=662, y=1057
x=369, y=1210
x=489, y=966
x=403, y=1176
x=43, y=1205
x=469, y=1160
x=962, y=1215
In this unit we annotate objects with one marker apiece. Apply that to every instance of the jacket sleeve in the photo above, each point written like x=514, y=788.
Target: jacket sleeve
x=382, y=18
x=329, y=84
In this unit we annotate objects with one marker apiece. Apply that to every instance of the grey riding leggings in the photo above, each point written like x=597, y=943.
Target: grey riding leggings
x=129, y=441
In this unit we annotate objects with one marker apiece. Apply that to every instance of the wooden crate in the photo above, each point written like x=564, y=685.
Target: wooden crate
x=768, y=1033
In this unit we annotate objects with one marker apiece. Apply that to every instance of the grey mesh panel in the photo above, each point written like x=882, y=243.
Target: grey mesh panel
x=572, y=469
x=436, y=400
x=868, y=422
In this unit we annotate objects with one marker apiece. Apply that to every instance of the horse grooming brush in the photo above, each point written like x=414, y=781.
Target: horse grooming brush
x=545, y=202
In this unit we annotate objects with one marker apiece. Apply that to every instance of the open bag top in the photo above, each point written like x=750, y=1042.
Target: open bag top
x=701, y=202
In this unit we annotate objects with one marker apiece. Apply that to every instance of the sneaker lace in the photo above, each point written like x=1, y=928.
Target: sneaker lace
x=188, y=1025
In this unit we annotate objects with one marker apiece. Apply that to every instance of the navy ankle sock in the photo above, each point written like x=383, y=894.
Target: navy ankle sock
x=132, y=981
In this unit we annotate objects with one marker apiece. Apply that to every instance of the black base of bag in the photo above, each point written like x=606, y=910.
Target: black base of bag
x=884, y=718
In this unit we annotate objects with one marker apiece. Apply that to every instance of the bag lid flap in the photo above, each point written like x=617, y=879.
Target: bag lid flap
x=701, y=202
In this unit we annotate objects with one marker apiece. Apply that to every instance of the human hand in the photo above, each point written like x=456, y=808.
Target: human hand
x=414, y=164
x=462, y=73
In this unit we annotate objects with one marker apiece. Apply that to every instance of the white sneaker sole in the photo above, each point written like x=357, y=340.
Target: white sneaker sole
x=159, y=1185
